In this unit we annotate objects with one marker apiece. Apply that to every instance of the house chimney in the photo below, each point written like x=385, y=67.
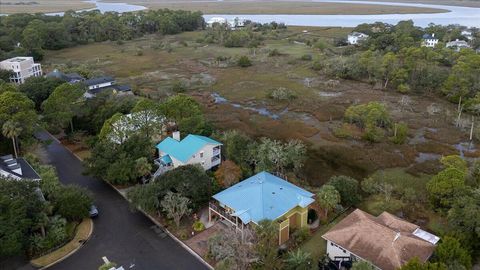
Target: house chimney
x=176, y=135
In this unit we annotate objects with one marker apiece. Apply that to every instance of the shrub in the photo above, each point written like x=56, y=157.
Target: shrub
x=373, y=134
x=274, y=52
x=306, y=57
x=403, y=88
x=198, y=226
x=282, y=93
x=179, y=87
x=317, y=65
x=373, y=114
x=320, y=45
x=244, y=61
x=300, y=235
x=343, y=132
x=400, y=133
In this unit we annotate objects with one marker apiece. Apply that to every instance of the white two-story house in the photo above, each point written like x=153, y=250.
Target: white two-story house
x=429, y=41
x=193, y=149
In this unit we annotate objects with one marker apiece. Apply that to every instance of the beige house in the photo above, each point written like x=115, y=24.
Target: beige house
x=22, y=68
x=386, y=241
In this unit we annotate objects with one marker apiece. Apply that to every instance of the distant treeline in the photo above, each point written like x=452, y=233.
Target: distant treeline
x=26, y=34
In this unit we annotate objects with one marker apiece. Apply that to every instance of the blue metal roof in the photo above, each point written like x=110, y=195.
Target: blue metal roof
x=183, y=150
x=263, y=196
x=166, y=159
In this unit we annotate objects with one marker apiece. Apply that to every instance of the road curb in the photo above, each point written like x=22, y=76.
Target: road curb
x=71, y=252
x=185, y=246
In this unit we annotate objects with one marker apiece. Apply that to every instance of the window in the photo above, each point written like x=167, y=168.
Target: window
x=201, y=154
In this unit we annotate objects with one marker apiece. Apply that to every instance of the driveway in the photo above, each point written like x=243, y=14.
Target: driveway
x=125, y=237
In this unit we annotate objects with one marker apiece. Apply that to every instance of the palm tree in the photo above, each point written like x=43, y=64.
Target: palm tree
x=12, y=130
x=299, y=260
x=42, y=222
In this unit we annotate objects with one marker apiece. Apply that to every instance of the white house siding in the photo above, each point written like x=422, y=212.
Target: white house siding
x=430, y=43
x=22, y=67
x=333, y=250
x=206, y=159
x=100, y=85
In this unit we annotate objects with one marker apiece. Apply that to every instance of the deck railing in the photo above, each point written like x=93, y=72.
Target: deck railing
x=220, y=211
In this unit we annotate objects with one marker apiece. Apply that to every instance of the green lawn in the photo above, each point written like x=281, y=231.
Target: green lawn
x=316, y=245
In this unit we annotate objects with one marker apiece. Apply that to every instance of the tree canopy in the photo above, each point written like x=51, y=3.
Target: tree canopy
x=36, y=32
x=191, y=181
x=72, y=202
x=19, y=203
x=186, y=112
x=61, y=106
x=447, y=184
x=19, y=109
x=38, y=89
x=116, y=163
x=348, y=189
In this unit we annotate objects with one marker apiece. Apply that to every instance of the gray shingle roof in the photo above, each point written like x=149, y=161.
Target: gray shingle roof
x=11, y=166
x=98, y=80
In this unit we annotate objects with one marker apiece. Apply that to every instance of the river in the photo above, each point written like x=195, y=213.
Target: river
x=467, y=16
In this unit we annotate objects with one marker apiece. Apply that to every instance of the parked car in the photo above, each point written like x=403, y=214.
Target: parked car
x=93, y=211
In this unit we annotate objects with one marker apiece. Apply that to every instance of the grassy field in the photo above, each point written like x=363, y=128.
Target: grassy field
x=34, y=6
x=280, y=7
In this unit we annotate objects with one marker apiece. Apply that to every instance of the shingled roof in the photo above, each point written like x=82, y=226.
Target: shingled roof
x=17, y=168
x=386, y=241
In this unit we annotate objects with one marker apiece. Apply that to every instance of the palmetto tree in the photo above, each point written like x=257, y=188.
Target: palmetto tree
x=12, y=130
x=299, y=260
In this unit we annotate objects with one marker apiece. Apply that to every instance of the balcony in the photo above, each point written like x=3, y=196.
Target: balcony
x=215, y=207
x=162, y=167
x=216, y=151
x=216, y=160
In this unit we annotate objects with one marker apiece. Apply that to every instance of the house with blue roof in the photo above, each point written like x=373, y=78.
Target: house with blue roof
x=193, y=149
x=263, y=196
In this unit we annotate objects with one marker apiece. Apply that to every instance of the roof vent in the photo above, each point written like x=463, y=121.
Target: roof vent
x=396, y=236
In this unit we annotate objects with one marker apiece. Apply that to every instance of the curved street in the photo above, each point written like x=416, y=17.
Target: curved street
x=124, y=237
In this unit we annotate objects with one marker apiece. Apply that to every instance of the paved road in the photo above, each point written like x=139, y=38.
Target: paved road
x=124, y=237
